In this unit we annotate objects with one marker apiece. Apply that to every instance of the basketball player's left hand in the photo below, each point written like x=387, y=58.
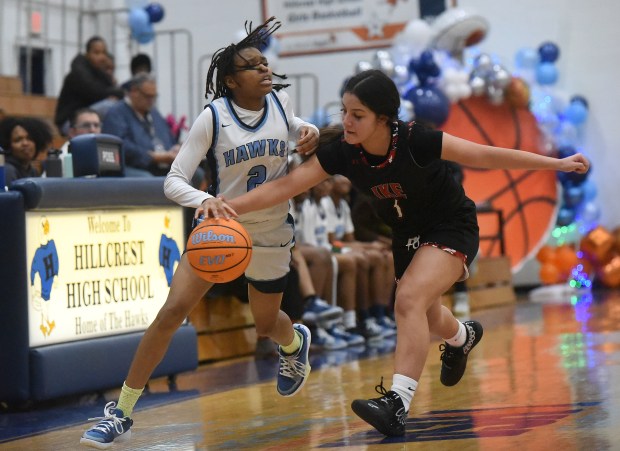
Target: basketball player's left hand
x=215, y=207
x=309, y=139
x=575, y=163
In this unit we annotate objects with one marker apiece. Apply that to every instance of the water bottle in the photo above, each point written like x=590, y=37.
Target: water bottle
x=2, y=178
x=67, y=165
x=53, y=163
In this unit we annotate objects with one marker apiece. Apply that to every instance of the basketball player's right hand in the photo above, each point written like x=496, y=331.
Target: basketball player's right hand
x=215, y=207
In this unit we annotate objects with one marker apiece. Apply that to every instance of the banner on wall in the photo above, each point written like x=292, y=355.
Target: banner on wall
x=99, y=273
x=321, y=26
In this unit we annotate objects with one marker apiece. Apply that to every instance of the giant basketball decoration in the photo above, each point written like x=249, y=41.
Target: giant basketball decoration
x=219, y=250
x=528, y=199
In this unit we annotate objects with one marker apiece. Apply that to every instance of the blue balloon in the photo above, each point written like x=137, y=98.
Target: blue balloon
x=549, y=52
x=138, y=21
x=429, y=104
x=566, y=216
x=576, y=113
x=155, y=12
x=146, y=35
x=589, y=190
x=546, y=73
x=526, y=58
x=573, y=196
x=265, y=43
x=566, y=151
x=573, y=178
x=580, y=99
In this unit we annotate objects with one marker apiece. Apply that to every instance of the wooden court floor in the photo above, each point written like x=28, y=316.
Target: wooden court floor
x=546, y=376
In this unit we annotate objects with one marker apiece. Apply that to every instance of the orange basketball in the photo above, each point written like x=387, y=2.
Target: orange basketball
x=219, y=250
x=528, y=199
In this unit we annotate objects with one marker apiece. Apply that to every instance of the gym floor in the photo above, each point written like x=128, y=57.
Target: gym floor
x=543, y=377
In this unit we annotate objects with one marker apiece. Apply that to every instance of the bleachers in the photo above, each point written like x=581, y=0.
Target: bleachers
x=14, y=102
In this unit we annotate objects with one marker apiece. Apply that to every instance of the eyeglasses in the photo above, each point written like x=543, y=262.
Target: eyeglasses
x=88, y=125
x=147, y=95
x=261, y=66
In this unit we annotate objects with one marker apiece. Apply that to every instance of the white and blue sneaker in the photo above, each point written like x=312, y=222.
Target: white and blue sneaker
x=318, y=310
x=325, y=341
x=295, y=368
x=351, y=338
x=388, y=326
x=113, y=426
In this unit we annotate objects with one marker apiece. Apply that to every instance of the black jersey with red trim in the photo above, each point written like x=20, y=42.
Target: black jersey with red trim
x=413, y=192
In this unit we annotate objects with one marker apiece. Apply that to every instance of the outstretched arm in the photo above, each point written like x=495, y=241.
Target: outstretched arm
x=476, y=155
x=271, y=193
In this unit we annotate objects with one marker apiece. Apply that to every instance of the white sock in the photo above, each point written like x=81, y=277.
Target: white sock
x=459, y=339
x=349, y=319
x=405, y=387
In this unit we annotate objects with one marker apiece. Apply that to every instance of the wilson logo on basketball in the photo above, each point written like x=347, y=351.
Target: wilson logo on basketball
x=209, y=236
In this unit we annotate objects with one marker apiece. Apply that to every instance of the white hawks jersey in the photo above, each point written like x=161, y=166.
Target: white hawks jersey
x=339, y=220
x=243, y=148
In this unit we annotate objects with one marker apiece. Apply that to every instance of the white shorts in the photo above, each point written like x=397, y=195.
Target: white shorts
x=271, y=253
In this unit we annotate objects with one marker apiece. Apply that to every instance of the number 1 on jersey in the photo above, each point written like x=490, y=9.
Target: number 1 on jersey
x=399, y=212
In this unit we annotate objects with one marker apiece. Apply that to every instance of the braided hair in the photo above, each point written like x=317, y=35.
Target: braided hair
x=223, y=59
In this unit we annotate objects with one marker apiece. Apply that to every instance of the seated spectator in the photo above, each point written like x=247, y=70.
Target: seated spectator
x=374, y=258
x=23, y=139
x=87, y=84
x=147, y=140
x=83, y=121
x=140, y=64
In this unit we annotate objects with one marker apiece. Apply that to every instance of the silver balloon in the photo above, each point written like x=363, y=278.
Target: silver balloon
x=361, y=66
x=483, y=62
x=495, y=95
x=401, y=74
x=386, y=66
x=500, y=77
x=478, y=85
x=382, y=55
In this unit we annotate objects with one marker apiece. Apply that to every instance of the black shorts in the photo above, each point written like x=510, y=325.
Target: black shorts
x=460, y=233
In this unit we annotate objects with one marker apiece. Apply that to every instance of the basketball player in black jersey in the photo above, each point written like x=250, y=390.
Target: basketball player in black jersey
x=435, y=231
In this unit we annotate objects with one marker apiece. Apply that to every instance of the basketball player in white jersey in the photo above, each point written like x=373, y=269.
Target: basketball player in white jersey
x=244, y=134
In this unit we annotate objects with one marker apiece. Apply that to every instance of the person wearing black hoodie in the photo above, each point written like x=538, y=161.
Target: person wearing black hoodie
x=86, y=84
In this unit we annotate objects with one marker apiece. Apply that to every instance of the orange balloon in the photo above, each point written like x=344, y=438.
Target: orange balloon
x=546, y=254
x=610, y=273
x=518, y=93
x=566, y=258
x=598, y=244
x=550, y=274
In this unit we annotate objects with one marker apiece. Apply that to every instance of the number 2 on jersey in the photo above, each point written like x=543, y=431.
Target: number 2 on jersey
x=257, y=175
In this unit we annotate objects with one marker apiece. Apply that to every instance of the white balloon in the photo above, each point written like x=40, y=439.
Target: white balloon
x=452, y=92
x=464, y=91
x=417, y=35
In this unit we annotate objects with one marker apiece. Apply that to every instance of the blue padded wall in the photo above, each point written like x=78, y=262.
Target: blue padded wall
x=14, y=381
x=102, y=363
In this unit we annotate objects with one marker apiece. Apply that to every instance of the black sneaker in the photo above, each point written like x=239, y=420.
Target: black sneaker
x=454, y=360
x=386, y=414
